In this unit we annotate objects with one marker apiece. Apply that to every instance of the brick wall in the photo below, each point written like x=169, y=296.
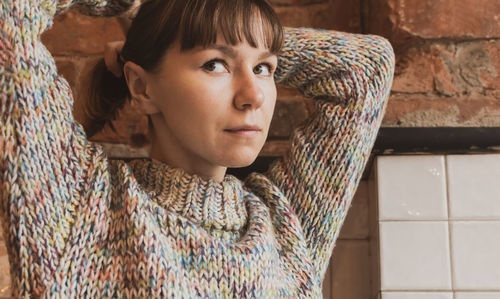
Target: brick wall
x=447, y=74
x=448, y=60
x=447, y=51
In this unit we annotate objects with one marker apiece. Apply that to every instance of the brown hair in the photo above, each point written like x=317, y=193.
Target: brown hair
x=158, y=24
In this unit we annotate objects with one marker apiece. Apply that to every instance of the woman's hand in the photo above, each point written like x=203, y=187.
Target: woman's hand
x=112, y=57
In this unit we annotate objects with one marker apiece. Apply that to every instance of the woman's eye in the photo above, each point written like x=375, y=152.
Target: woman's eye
x=263, y=69
x=215, y=66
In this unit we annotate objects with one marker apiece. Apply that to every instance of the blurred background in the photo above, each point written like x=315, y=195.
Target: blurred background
x=425, y=220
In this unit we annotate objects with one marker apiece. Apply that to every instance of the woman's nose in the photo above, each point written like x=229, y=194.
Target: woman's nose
x=248, y=95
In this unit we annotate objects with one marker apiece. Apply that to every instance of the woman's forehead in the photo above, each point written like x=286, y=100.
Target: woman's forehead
x=234, y=51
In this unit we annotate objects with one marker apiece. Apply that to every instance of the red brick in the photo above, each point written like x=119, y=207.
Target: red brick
x=449, y=70
x=338, y=15
x=74, y=33
x=426, y=69
x=414, y=110
x=68, y=69
x=346, y=15
x=482, y=61
x=413, y=72
x=491, y=79
x=409, y=19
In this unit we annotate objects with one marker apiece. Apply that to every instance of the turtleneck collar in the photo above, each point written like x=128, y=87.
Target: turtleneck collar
x=206, y=202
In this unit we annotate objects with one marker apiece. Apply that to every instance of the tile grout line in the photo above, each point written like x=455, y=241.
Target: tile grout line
x=437, y=220
x=447, y=190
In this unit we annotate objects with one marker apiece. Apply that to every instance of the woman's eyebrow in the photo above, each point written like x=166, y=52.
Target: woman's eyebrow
x=231, y=53
x=226, y=50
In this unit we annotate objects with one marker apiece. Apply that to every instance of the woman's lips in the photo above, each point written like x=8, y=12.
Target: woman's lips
x=244, y=131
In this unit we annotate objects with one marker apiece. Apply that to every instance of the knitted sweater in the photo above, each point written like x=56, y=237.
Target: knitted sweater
x=78, y=224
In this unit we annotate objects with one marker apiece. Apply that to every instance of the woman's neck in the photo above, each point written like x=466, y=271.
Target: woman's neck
x=174, y=156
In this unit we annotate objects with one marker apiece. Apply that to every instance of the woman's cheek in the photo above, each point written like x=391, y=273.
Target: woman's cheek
x=271, y=98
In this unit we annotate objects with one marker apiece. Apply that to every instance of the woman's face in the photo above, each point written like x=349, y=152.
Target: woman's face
x=215, y=106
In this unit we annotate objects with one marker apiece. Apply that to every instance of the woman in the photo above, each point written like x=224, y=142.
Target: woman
x=80, y=225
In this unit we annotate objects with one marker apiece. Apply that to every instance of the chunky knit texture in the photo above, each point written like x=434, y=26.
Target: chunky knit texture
x=78, y=224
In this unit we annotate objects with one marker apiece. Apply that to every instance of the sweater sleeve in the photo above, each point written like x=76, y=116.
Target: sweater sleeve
x=44, y=154
x=349, y=76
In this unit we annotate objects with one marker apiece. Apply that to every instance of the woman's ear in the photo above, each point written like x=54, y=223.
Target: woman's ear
x=139, y=85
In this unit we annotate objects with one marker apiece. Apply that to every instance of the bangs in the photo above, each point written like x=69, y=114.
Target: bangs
x=253, y=21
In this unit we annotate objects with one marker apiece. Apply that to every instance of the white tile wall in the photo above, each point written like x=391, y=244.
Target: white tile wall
x=414, y=255
x=438, y=226
x=476, y=255
x=411, y=188
x=474, y=186
x=477, y=295
x=417, y=295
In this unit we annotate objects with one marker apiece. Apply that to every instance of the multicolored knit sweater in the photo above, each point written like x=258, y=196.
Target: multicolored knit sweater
x=78, y=224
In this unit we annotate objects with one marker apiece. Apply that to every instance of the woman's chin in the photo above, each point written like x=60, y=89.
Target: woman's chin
x=241, y=160
x=240, y=165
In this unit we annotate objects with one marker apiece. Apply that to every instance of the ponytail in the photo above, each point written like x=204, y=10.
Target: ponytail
x=107, y=95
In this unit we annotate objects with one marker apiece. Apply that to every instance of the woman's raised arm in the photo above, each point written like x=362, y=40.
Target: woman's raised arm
x=349, y=76
x=45, y=159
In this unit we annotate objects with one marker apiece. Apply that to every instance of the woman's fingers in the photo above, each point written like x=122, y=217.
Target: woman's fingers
x=112, y=56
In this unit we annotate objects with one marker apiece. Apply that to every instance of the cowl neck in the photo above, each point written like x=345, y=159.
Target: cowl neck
x=206, y=202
